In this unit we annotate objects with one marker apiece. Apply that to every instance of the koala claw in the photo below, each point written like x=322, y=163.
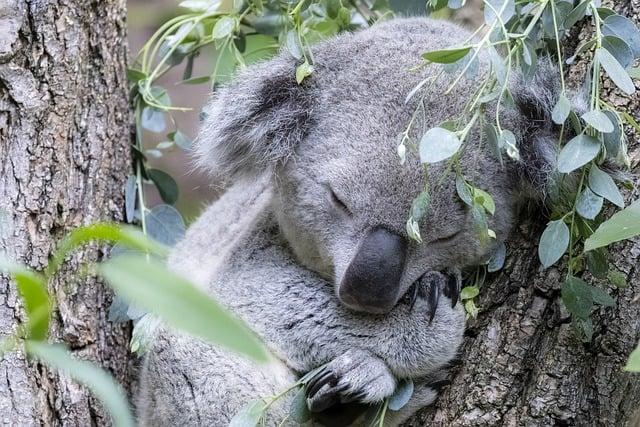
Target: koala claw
x=352, y=377
x=431, y=284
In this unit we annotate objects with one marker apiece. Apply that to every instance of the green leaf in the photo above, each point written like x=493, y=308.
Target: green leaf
x=480, y=225
x=619, y=49
x=615, y=71
x=224, y=27
x=420, y=206
x=150, y=285
x=633, y=364
x=597, y=263
x=576, y=14
x=622, y=225
x=561, y=110
x=469, y=292
x=152, y=119
x=496, y=262
x=165, y=225
x=122, y=234
x=577, y=152
x=613, y=140
x=603, y=185
x=134, y=76
x=303, y=71
x=292, y=42
x=598, y=120
x=577, y=297
x=166, y=185
x=181, y=140
x=438, y=144
x=401, y=395
x=200, y=5
x=299, y=412
x=462, y=188
x=413, y=230
x=33, y=290
x=130, y=198
x=589, y=204
x=446, y=56
x=484, y=199
x=601, y=297
x=101, y=384
x=250, y=415
x=470, y=308
x=553, y=242
x=625, y=29
x=617, y=279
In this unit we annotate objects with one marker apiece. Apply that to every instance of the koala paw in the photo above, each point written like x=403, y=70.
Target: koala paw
x=433, y=283
x=354, y=376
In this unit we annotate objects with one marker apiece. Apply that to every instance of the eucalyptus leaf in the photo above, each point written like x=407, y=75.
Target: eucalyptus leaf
x=589, y=204
x=623, y=28
x=633, y=364
x=463, y=191
x=101, y=384
x=438, y=144
x=420, y=206
x=506, y=9
x=598, y=120
x=615, y=71
x=150, y=285
x=165, y=224
x=299, y=411
x=225, y=26
x=619, y=49
x=303, y=71
x=553, y=242
x=166, y=185
x=401, y=395
x=498, y=256
x=622, y=225
x=446, y=56
x=292, y=43
x=577, y=297
x=577, y=152
x=130, y=198
x=469, y=292
x=613, y=140
x=250, y=415
x=561, y=110
x=576, y=14
x=181, y=140
x=603, y=185
x=152, y=120
x=597, y=263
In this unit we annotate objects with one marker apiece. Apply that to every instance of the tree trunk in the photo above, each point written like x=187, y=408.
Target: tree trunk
x=64, y=157
x=522, y=363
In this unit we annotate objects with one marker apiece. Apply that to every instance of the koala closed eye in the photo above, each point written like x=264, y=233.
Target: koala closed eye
x=448, y=238
x=337, y=202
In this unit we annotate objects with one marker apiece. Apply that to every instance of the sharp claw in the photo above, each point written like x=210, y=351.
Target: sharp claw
x=414, y=295
x=433, y=298
x=316, y=383
x=326, y=400
x=353, y=397
x=453, y=287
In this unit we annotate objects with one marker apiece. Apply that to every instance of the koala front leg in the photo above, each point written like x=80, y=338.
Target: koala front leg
x=355, y=375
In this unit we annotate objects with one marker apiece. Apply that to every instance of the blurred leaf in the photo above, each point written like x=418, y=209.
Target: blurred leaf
x=589, y=204
x=144, y=330
x=152, y=120
x=561, y=110
x=504, y=8
x=438, y=144
x=225, y=26
x=148, y=284
x=165, y=225
x=619, y=49
x=484, y=199
x=633, y=364
x=553, y=242
x=603, y=185
x=130, y=198
x=401, y=395
x=597, y=263
x=446, y=56
x=181, y=140
x=470, y=308
x=615, y=71
x=299, y=412
x=135, y=76
x=469, y=292
x=622, y=225
x=113, y=233
x=577, y=297
x=625, y=29
x=617, y=279
x=462, y=188
x=303, y=71
x=413, y=230
x=496, y=262
x=613, y=140
x=293, y=44
x=598, y=120
x=118, y=310
x=166, y=185
x=250, y=414
x=420, y=205
x=101, y=384
x=576, y=14
x=577, y=152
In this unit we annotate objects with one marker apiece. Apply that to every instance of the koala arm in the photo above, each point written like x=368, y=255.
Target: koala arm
x=219, y=229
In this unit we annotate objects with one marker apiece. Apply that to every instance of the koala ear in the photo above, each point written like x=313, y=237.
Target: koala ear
x=538, y=139
x=253, y=122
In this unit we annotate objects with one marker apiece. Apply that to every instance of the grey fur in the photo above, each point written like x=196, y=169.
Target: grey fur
x=274, y=248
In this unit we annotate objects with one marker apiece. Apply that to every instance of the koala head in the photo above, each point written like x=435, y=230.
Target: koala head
x=342, y=197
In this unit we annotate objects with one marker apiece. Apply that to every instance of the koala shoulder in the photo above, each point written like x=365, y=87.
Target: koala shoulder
x=219, y=229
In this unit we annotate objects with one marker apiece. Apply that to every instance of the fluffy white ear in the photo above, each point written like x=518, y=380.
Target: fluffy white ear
x=254, y=121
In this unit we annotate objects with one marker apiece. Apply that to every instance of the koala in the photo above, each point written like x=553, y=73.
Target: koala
x=309, y=245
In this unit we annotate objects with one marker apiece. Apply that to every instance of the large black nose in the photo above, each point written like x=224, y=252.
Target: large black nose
x=372, y=280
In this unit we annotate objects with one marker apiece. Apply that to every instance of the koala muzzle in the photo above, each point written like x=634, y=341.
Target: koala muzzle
x=372, y=280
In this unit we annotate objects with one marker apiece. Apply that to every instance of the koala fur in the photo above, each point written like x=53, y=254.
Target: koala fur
x=314, y=170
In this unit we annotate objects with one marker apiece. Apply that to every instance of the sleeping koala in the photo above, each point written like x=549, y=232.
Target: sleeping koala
x=309, y=246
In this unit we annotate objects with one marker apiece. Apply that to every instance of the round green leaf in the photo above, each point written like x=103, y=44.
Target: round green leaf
x=613, y=140
x=402, y=394
x=625, y=29
x=561, y=110
x=603, y=185
x=224, y=27
x=469, y=292
x=633, y=364
x=299, y=411
x=577, y=297
x=250, y=415
x=496, y=262
x=598, y=120
x=589, y=204
x=165, y=224
x=577, y=152
x=166, y=185
x=438, y=144
x=504, y=8
x=619, y=49
x=553, y=243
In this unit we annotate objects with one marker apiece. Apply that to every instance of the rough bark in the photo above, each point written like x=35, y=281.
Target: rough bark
x=64, y=156
x=522, y=364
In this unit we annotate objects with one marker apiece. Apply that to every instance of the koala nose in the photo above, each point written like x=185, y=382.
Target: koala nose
x=372, y=280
